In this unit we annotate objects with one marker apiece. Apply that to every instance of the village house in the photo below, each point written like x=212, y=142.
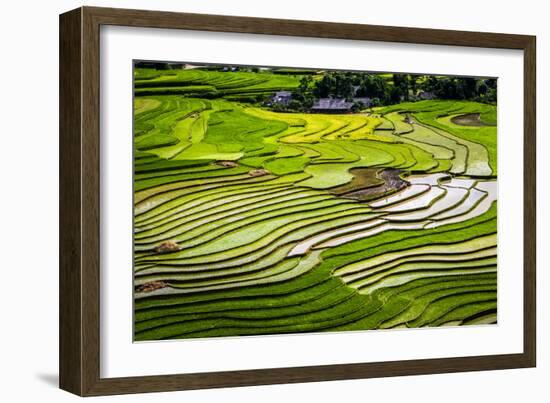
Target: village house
x=366, y=101
x=331, y=105
x=282, y=97
x=338, y=105
x=426, y=95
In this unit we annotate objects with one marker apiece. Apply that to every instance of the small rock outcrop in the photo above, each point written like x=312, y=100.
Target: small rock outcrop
x=167, y=246
x=152, y=286
x=258, y=172
x=227, y=164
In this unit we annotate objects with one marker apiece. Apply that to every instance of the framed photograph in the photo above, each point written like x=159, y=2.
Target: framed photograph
x=250, y=201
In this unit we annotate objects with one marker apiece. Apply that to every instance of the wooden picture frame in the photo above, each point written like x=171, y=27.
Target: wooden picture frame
x=79, y=347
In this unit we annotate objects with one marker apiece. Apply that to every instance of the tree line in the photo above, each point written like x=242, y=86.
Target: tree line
x=389, y=89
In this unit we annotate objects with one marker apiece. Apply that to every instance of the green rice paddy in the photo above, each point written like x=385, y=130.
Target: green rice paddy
x=296, y=222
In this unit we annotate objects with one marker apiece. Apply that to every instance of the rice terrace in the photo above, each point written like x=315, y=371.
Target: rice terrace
x=281, y=200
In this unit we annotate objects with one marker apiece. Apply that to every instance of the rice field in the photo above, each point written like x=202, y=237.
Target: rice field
x=249, y=221
x=211, y=83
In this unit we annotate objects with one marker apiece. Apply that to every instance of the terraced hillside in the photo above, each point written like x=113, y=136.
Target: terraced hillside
x=211, y=83
x=249, y=221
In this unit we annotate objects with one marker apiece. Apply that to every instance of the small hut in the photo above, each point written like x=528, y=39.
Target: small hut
x=331, y=105
x=281, y=97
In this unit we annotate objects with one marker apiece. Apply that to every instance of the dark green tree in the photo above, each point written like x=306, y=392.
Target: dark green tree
x=401, y=82
x=413, y=82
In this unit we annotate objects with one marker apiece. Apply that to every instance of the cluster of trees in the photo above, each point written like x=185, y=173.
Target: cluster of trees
x=468, y=88
x=389, y=89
